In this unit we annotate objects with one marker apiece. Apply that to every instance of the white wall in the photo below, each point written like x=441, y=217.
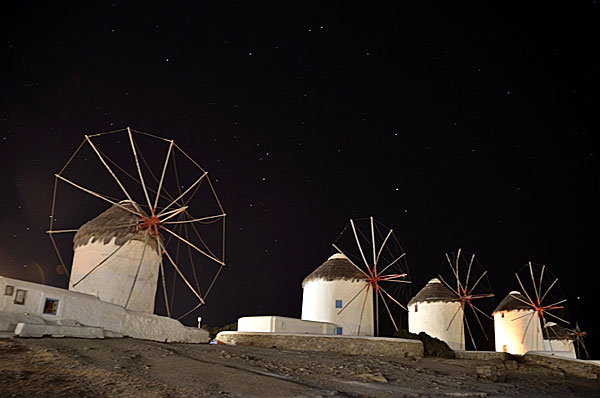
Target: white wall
x=512, y=333
x=112, y=281
x=436, y=319
x=80, y=308
x=564, y=348
x=318, y=304
x=280, y=324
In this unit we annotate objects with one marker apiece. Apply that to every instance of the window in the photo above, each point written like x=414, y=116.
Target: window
x=338, y=330
x=416, y=308
x=8, y=291
x=502, y=315
x=51, y=306
x=338, y=303
x=20, y=296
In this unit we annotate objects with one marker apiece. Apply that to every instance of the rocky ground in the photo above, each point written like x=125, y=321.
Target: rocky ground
x=63, y=367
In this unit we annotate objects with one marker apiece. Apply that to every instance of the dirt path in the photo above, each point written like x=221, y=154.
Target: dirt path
x=130, y=368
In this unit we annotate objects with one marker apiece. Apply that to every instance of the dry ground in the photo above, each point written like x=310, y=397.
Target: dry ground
x=64, y=367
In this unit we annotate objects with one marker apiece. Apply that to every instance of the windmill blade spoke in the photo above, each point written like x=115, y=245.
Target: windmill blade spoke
x=477, y=282
x=480, y=311
x=537, y=294
x=192, y=245
x=99, y=196
x=388, y=311
x=522, y=316
x=392, y=263
x=540, y=284
x=557, y=317
x=533, y=315
x=458, y=281
x=523, y=301
x=190, y=311
x=452, y=319
x=548, y=290
x=174, y=213
x=162, y=175
x=532, y=303
x=469, y=271
x=441, y=278
x=137, y=165
x=455, y=274
x=557, y=303
x=189, y=285
x=358, y=244
x=382, y=245
x=108, y=168
x=218, y=216
x=164, y=284
x=373, y=246
x=137, y=271
x=392, y=298
x=478, y=320
x=466, y=322
x=183, y=194
x=351, y=262
x=362, y=310
x=104, y=260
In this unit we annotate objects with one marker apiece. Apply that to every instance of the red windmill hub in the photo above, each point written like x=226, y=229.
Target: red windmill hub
x=373, y=279
x=150, y=224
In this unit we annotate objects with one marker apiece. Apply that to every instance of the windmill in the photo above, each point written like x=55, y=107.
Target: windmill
x=578, y=335
x=520, y=317
x=469, y=282
x=164, y=219
x=374, y=252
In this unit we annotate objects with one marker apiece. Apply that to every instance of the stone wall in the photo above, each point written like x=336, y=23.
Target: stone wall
x=353, y=345
x=575, y=367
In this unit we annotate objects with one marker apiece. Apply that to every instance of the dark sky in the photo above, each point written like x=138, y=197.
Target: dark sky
x=458, y=126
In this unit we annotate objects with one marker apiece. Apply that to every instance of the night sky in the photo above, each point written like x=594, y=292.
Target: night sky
x=458, y=126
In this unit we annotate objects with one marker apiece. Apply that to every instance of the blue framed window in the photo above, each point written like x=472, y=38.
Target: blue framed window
x=51, y=306
x=338, y=330
x=338, y=303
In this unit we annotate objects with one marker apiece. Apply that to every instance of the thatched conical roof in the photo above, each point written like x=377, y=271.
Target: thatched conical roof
x=115, y=222
x=337, y=267
x=511, y=303
x=433, y=291
x=553, y=331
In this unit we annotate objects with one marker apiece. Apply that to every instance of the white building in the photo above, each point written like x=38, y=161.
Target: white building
x=115, y=261
x=558, y=341
x=33, y=310
x=517, y=326
x=436, y=311
x=337, y=292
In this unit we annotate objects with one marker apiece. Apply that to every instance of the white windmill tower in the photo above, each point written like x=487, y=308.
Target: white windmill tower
x=163, y=209
x=114, y=261
x=433, y=310
x=358, y=282
x=330, y=288
x=519, y=318
x=517, y=327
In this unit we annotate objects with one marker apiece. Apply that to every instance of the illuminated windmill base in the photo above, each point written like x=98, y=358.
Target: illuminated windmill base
x=436, y=311
x=336, y=292
x=116, y=260
x=517, y=326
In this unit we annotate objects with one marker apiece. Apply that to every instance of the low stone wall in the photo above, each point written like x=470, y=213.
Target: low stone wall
x=482, y=355
x=575, y=367
x=352, y=345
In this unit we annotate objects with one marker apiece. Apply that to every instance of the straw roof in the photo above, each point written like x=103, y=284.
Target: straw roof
x=553, y=331
x=116, y=222
x=433, y=291
x=511, y=303
x=337, y=267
